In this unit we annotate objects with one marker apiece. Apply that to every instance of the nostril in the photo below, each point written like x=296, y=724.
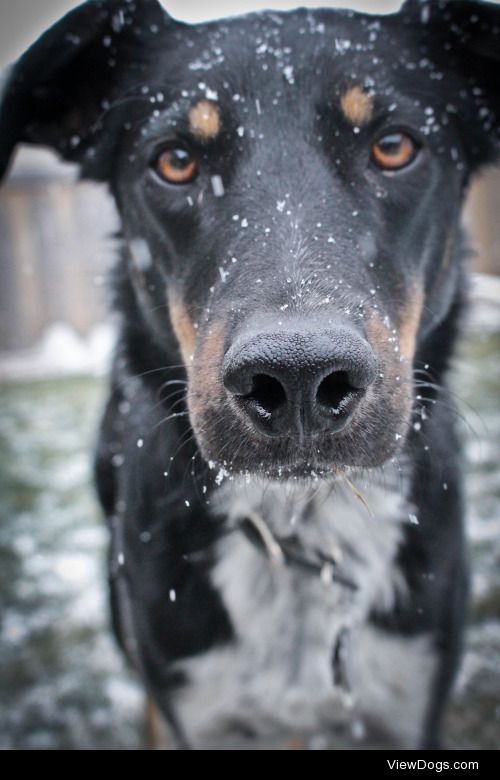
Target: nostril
x=335, y=393
x=267, y=394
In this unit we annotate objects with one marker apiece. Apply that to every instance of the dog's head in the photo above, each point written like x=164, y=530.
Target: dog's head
x=290, y=186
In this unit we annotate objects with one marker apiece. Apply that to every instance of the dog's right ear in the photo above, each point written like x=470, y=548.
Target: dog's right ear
x=463, y=36
x=58, y=92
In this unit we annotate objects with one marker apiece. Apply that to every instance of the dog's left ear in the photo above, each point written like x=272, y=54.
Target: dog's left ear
x=463, y=36
x=59, y=91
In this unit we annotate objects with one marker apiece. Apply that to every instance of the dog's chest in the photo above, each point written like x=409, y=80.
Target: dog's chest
x=293, y=664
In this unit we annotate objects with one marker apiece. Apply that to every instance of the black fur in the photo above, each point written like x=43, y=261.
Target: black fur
x=109, y=87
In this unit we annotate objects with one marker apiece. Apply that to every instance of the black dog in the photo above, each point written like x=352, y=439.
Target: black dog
x=278, y=461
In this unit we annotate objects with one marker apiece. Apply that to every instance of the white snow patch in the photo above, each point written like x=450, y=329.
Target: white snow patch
x=61, y=351
x=141, y=255
x=217, y=186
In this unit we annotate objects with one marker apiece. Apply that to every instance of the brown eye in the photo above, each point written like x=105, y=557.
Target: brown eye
x=177, y=166
x=394, y=151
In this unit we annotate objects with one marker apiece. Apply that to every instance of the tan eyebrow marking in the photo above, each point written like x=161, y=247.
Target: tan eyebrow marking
x=357, y=106
x=204, y=120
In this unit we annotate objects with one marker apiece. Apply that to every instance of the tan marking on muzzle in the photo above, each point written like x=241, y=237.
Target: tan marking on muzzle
x=378, y=334
x=411, y=314
x=213, y=346
x=381, y=336
x=357, y=106
x=207, y=389
x=184, y=330
x=204, y=120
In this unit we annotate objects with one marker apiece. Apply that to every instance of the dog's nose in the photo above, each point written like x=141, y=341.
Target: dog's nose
x=300, y=383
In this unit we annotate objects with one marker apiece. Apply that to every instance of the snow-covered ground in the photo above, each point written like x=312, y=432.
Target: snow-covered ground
x=62, y=682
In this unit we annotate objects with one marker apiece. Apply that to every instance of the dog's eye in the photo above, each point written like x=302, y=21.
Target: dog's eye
x=394, y=151
x=177, y=166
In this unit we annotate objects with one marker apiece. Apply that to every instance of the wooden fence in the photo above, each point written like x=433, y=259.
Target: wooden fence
x=55, y=249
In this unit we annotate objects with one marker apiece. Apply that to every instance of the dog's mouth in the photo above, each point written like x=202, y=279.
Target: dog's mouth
x=371, y=434
x=283, y=466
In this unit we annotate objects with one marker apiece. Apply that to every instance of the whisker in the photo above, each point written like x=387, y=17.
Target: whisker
x=170, y=417
x=355, y=491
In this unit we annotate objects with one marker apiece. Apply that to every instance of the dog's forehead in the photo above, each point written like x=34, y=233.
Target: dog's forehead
x=267, y=35
x=284, y=72
x=262, y=51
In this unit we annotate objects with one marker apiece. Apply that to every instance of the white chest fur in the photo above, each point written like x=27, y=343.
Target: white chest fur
x=277, y=677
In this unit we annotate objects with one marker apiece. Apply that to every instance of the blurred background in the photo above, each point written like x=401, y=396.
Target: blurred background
x=62, y=683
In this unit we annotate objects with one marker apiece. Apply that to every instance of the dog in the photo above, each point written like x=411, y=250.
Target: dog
x=278, y=462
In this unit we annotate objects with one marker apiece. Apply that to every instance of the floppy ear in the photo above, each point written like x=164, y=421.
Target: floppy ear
x=463, y=36
x=58, y=91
